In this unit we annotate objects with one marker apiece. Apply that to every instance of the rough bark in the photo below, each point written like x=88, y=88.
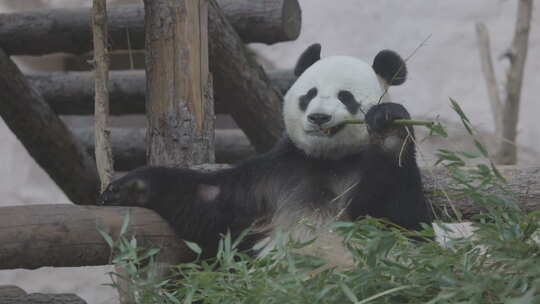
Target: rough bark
x=102, y=151
x=179, y=105
x=489, y=74
x=129, y=146
x=507, y=152
x=253, y=102
x=68, y=30
x=264, y=21
x=72, y=93
x=41, y=298
x=45, y=136
x=67, y=235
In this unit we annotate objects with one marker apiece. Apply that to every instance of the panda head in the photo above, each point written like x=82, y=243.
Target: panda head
x=331, y=90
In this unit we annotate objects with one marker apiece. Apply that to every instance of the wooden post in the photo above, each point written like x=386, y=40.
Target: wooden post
x=178, y=92
x=103, y=150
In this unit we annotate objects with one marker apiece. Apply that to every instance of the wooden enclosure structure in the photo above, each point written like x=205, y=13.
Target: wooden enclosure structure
x=196, y=38
x=66, y=235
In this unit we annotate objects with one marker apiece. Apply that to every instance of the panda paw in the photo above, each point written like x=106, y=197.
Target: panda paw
x=379, y=118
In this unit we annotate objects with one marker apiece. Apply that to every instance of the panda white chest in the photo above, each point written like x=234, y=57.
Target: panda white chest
x=313, y=205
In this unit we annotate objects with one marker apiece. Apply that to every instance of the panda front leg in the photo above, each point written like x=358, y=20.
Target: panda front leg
x=391, y=184
x=395, y=140
x=195, y=204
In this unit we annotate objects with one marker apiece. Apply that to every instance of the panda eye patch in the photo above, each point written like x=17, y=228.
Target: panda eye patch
x=306, y=99
x=347, y=98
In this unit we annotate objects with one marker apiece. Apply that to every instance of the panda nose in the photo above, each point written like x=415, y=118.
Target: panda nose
x=319, y=118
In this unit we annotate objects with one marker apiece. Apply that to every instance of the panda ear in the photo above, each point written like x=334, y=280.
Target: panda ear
x=311, y=55
x=390, y=67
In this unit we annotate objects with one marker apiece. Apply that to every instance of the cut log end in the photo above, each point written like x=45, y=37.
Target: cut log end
x=291, y=20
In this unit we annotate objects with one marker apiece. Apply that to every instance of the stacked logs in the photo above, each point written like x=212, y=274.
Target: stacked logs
x=242, y=87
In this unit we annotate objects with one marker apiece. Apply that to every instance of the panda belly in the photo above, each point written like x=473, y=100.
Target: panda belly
x=312, y=209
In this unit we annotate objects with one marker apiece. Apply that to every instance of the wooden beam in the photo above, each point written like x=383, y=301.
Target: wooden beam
x=45, y=136
x=254, y=103
x=129, y=146
x=72, y=93
x=67, y=235
x=68, y=30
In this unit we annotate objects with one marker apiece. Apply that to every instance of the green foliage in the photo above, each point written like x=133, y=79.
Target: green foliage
x=499, y=264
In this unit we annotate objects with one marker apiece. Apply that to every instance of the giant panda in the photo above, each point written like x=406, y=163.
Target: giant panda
x=321, y=171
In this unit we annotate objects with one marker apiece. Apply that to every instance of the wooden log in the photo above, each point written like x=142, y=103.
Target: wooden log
x=72, y=93
x=524, y=183
x=252, y=101
x=45, y=136
x=264, y=21
x=11, y=291
x=129, y=146
x=67, y=235
x=179, y=105
x=42, y=298
x=68, y=30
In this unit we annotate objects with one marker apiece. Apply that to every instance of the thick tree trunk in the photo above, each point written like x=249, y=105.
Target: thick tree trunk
x=253, y=102
x=67, y=235
x=72, y=93
x=103, y=150
x=179, y=104
x=45, y=136
x=129, y=146
x=68, y=30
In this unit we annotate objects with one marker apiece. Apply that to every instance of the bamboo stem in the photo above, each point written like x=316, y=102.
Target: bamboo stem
x=401, y=122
